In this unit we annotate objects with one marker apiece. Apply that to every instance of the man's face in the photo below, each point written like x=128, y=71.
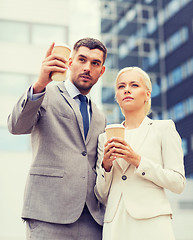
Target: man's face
x=86, y=67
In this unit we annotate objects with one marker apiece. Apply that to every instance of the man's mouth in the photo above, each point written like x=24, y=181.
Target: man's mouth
x=85, y=76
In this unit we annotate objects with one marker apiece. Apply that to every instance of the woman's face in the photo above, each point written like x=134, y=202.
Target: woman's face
x=131, y=91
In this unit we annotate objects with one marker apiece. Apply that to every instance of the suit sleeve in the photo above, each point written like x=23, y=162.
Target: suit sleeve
x=171, y=175
x=25, y=114
x=104, y=179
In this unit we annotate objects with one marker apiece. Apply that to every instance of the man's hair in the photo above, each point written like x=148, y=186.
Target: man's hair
x=91, y=43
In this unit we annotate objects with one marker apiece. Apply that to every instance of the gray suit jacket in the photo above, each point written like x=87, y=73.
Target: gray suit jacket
x=62, y=175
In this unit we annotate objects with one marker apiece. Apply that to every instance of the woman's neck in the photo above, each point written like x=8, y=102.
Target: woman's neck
x=133, y=120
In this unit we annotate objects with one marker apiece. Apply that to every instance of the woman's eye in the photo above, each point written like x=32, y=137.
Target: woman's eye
x=135, y=85
x=120, y=86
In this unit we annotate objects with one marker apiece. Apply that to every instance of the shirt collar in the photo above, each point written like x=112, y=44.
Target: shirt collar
x=72, y=89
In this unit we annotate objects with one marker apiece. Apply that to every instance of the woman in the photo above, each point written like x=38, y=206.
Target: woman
x=133, y=173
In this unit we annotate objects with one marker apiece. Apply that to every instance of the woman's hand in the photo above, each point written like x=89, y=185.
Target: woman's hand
x=119, y=148
x=108, y=158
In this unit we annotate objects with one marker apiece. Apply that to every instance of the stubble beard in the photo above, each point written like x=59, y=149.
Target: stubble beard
x=82, y=87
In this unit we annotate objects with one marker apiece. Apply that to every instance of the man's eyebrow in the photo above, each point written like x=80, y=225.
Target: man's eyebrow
x=82, y=56
x=94, y=60
x=97, y=60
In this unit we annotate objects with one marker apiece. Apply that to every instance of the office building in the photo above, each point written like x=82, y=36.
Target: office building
x=155, y=35
x=27, y=28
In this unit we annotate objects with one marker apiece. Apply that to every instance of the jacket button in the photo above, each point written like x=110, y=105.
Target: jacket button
x=84, y=153
x=143, y=173
x=124, y=177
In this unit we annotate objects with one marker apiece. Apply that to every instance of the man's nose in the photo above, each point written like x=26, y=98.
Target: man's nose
x=87, y=67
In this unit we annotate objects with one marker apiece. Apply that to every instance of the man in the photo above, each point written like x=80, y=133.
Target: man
x=59, y=200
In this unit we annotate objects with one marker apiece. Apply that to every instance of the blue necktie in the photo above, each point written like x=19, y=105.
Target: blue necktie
x=84, y=112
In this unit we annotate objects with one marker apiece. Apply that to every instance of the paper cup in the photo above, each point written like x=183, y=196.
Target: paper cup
x=63, y=50
x=115, y=130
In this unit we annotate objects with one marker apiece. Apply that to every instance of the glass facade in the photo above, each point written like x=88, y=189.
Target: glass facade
x=156, y=36
x=12, y=86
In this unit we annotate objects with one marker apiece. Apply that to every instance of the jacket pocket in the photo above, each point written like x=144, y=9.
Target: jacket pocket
x=45, y=171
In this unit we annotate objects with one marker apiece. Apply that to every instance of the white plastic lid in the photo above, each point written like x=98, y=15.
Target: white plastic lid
x=60, y=44
x=114, y=126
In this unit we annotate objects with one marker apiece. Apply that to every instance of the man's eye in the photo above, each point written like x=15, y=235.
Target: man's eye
x=95, y=63
x=81, y=59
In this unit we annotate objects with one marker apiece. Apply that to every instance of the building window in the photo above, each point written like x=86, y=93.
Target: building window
x=190, y=67
x=155, y=89
x=177, y=39
x=42, y=33
x=188, y=205
x=153, y=58
x=152, y=25
x=123, y=51
x=177, y=76
x=179, y=111
x=131, y=14
x=189, y=105
x=108, y=10
x=112, y=61
x=14, y=32
x=173, y=7
x=192, y=142
x=13, y=143
x=108, y=95
x=31, y=33
x=148, y=1
x=185, y=146
x=12, y=87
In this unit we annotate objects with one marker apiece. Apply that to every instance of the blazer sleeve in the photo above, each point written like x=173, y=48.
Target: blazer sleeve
x=25, y=114
x=104, y=179
x=171, y=175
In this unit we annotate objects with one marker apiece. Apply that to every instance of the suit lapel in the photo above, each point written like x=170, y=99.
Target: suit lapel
x=73, y=104
x=140, y=137
x=92, y=121
x=141, y=134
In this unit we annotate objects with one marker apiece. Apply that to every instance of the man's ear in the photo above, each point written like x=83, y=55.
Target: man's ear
x=70, y=63
x=102, y=70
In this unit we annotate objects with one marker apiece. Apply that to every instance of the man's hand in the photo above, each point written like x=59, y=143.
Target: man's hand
x=51, y=63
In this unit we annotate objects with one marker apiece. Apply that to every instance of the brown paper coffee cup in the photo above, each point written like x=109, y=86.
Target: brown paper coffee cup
x=64, y=51
x=115, y=130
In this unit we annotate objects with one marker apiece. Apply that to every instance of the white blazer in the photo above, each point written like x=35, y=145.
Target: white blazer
x=142, y=188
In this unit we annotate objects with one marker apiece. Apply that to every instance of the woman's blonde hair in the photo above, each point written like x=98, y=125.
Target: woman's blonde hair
x=146, y=80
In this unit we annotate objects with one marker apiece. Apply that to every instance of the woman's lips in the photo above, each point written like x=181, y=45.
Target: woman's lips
x=128, y=98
